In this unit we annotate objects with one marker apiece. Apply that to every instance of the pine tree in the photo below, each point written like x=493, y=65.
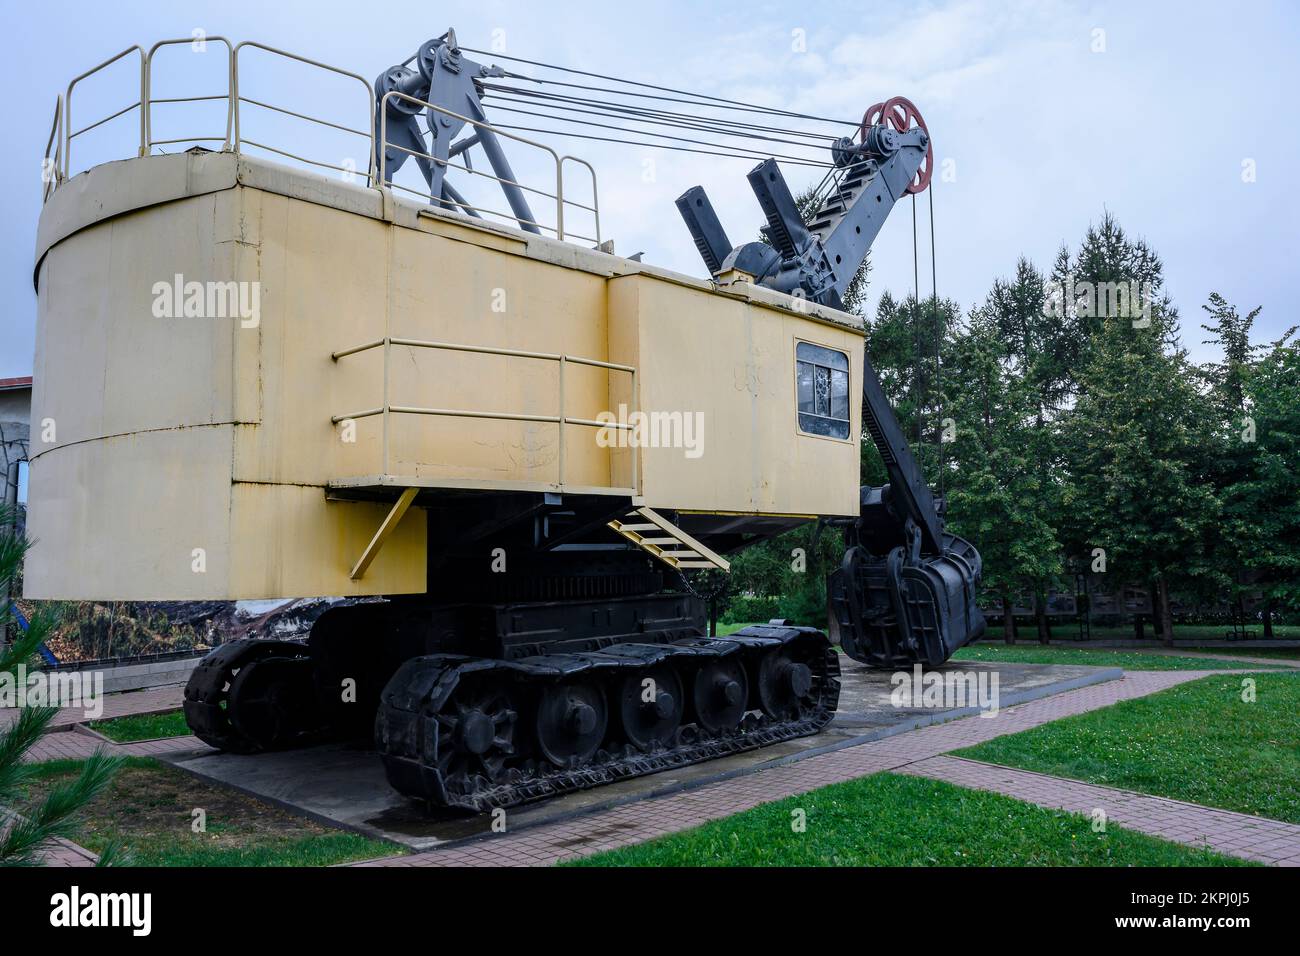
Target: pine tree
x=1138, y=439
x=997, y=498
x=1259, y=539
x=26, y=829
x=1039, y=347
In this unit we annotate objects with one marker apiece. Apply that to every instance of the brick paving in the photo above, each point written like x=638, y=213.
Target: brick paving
x=1235, y=834
x=66, y=853
x=644, y=820
x=1240, y=658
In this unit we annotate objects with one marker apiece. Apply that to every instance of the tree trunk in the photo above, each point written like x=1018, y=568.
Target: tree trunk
x=1153, y=588
x=1268, y=619
x=713, y=617
x=1008, y=622
x=1166, y=616
x=1040, y=617
x=1138, y=632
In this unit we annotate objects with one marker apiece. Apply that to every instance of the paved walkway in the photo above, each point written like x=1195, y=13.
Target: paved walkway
x=78, y=745
x=1235, y=834
x=914, y=751
x=1242, y=658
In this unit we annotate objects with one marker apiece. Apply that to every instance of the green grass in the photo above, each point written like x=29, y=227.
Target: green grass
x=1199, y=742
x=143, y=727
x=892, y=820
x=1129, y=660
x=148, y=812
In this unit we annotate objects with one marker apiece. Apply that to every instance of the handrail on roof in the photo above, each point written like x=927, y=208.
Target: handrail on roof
x=56, y=166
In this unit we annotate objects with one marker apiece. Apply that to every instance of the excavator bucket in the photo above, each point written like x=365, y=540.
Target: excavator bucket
x=893, y=610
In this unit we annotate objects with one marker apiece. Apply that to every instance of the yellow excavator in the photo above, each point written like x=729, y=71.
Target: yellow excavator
x=512, y=449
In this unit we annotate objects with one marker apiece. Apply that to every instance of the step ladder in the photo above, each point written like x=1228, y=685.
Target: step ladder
x=840, y=200
x=660, y=538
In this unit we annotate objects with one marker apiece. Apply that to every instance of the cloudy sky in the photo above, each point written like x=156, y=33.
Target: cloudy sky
x=1179, y=118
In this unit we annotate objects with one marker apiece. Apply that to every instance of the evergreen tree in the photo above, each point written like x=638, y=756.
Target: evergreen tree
x=1257, y=544
x=27, y=828
x=1038, y=350
x=1139, y=435
x=997, y=498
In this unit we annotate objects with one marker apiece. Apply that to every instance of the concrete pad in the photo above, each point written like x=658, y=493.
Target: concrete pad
x=345, y=786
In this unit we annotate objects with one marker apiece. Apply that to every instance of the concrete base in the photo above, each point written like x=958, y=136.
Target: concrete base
x=345, y=786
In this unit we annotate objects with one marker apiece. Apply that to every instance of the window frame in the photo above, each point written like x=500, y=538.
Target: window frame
x=847, y=371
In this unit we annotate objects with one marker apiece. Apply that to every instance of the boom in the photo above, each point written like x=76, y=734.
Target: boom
x=906, y=590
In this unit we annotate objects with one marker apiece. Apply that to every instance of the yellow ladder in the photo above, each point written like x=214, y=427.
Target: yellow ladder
x=659, y=537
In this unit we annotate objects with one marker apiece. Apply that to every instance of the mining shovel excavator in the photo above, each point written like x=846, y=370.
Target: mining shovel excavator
x=419, y=418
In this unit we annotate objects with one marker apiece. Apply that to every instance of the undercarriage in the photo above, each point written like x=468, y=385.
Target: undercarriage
x=483, y=706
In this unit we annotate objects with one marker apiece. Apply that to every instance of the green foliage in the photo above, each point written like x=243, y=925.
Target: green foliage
x=90, y=630
x=24, y=837
x=135, y=727
x=1138, y=437
x=1263, y=506
x=785, y=577
x=746, y=609
x=1003, y=495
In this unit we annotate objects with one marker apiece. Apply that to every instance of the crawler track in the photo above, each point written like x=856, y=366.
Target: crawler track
x=250, y=696
x=478, y=733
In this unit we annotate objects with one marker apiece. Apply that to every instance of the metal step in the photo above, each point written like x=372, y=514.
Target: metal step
x=660, y=538
x=836, y=205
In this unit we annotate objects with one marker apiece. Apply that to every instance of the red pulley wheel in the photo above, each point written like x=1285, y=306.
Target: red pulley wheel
x=901, y=114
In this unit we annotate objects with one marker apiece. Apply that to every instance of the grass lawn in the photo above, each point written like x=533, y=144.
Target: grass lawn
x=893, y=820
x=1129, y=660
x=1199, y=742
x=143, y=726
x=148, y=811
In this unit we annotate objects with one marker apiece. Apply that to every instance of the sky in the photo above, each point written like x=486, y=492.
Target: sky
x=1178, y=118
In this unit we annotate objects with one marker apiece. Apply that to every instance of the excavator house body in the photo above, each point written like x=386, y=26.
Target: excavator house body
x=195, y=456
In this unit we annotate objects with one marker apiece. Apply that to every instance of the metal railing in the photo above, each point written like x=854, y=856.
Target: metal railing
x=558, y=195
x=561, y=419
x=50, y=170
x=57, y=165
x=69, y=135
x=148, y=99
x=368, y=134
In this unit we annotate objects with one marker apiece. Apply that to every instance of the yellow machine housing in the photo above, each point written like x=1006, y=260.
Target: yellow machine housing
x=258, y=453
